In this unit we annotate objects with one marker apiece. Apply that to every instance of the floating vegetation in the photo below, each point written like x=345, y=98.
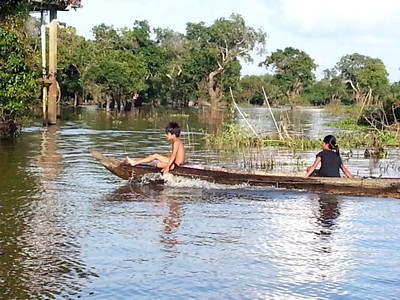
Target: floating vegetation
x=183, y=116
x=234, y=137
x=336, y=108
x=347, y=124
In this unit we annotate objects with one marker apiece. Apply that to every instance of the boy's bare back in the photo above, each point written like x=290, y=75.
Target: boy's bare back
x=180, y=152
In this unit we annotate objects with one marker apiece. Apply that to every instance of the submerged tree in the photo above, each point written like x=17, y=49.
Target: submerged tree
x=293, y=71
x=219, y=46
x=364, y=76
x=250, y=90
x=74, y=53
x=114, y=68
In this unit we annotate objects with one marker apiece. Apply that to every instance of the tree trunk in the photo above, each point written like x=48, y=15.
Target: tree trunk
x=292, y=98
x=75, y=99
x=108, y=102
x=293, y=94
x=213, y=90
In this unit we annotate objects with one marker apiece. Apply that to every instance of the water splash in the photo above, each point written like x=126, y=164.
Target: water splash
x=178, y=181
x=152, y=178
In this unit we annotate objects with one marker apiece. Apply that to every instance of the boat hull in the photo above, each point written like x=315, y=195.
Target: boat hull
x=388, y=188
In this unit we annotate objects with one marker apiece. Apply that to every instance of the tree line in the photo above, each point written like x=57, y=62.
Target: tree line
x=125, y=67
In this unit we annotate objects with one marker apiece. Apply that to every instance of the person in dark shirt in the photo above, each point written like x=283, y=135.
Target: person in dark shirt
x=330, y=161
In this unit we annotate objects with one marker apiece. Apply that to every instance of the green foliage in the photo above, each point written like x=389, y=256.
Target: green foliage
x=355, y=79
x=391, y=103
x=362, y=73
x=232, y=137
x=118, y=71
x=357, y=139
x=250, y=90
x=74, y=53
x=203, y=64
x=113, y=64
x=336, y=108
x=366, y=71
x=13, y=10
x=18, y=80
x=347, y=124
x=218, y=48
x=293, y=71
x=323, y=92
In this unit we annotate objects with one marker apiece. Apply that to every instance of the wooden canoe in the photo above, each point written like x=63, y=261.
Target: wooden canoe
x=374, y=187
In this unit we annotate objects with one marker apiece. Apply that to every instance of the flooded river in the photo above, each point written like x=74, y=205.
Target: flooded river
x=69, y=229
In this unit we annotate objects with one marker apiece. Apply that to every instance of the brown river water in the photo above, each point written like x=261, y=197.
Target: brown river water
x=69, y=229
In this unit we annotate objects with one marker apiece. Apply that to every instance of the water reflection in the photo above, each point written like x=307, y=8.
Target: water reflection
x=328, y=212
x=68, y=229
x=309, y=122
x=15, y=188
x=145, y=118
x=41, y=254
x=49, y=160
x=171, y=222
x=158, y=196
x=50, y=252
x=136, y=192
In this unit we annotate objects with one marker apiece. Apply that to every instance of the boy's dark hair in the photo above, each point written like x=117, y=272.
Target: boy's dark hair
x=173, y=128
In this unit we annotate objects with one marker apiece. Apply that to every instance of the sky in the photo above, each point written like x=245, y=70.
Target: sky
x=325, y=29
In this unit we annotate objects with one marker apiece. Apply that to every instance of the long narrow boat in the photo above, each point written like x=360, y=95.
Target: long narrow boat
x=377, y=187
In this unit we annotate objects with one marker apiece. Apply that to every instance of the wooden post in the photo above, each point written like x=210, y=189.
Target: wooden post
x=53, y=89
x=44, y=66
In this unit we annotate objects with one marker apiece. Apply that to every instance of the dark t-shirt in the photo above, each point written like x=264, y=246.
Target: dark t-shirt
x=330, y=163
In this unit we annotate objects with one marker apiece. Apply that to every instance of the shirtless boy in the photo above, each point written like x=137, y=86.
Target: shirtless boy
x=165, y=163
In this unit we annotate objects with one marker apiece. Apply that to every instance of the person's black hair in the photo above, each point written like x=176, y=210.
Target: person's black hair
x=330, y=140
x=173, y=128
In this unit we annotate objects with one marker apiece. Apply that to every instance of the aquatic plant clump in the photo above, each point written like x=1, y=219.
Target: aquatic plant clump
x=233, y=137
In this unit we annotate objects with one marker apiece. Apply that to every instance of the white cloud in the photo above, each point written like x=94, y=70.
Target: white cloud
x=373, y=40
x=334, y=15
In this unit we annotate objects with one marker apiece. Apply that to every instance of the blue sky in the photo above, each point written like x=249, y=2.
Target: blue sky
x=326, y=30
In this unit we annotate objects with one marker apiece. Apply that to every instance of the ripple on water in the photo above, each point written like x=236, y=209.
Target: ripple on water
x=70, y=229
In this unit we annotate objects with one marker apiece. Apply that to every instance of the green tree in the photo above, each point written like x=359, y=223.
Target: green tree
x=13, y=12
x=325, y=91
x=117, y=73
x=293, y=71
x=392, y=103
x=138, y=40
x=219, y=46
x=384, y=115
x=365, y=77
x=74, y=53
x=115, y=68
x=172, y=83
x=18, y=80
x=18, y=65
x=250, y=90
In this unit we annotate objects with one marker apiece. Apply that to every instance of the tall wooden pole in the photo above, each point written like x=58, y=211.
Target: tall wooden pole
x=44, y=67
x=53, y=89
